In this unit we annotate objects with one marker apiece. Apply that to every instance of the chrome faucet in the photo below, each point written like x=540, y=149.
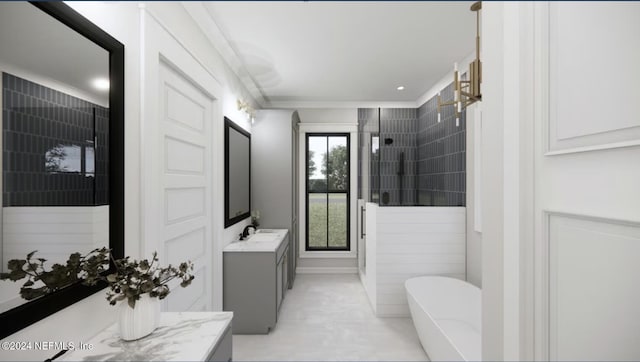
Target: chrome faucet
x=245, y=232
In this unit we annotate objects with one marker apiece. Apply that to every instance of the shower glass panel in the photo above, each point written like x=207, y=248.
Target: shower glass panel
x=368, y=154
x=408, y=158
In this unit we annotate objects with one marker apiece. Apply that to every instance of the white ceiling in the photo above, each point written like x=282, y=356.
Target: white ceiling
x=40, y=47
x=320, y=52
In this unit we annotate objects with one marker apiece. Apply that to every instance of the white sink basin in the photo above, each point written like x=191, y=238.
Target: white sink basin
x=263, y=237
x=264, y=240
x=267, y=231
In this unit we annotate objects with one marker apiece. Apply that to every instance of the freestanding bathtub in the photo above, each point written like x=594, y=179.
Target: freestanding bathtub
x=446, y=314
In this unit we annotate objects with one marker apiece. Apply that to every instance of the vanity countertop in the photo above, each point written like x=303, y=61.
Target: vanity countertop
x=181, y=336
x=264, y=240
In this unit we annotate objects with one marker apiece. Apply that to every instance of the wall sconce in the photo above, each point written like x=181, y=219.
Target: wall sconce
x=466, y=92
x=246, y=107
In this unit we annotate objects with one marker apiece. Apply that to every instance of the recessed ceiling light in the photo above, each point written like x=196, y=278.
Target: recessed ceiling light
x=400, y=88
x=101, y=84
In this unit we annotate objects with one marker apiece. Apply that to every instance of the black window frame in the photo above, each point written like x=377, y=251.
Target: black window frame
x=347, y=192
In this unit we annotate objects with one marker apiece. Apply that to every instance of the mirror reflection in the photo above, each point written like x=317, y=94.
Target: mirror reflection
x=238, y=173
x=55, y=115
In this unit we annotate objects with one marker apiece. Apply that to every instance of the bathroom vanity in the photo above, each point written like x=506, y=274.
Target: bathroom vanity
x=180, y=336
x=255, y=280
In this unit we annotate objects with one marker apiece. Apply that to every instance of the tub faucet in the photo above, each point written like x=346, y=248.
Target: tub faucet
x=245, y=232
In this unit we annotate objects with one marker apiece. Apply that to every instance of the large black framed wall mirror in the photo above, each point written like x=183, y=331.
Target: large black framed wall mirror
x=62, y=82
x=237, y=173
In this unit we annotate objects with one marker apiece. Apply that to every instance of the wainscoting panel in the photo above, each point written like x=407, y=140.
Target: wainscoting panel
x=55, y=232
x=410, y=242
x=592, y=92
x=594, y=268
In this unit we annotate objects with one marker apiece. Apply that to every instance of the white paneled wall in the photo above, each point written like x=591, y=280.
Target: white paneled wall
x=404, y=242
x=55, y=232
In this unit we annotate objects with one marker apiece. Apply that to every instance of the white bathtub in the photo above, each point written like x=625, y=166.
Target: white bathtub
x=446, y=314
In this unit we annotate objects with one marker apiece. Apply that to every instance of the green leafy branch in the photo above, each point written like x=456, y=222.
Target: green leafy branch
x=131, y=279
x=134, y=278
x=78, y=267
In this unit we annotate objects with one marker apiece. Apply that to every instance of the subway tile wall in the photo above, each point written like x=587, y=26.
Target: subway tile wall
x=102, y=155
x=398, y=128
x=434, y=154
x=37, y=120
x=441, y=160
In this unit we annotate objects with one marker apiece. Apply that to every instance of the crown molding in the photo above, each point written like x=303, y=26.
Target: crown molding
x=337, y=104
x=203, y=18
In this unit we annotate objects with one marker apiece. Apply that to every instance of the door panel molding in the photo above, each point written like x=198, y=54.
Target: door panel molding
x=594, y=256
x=180, y=112
x=584, y=193
x=590, y=92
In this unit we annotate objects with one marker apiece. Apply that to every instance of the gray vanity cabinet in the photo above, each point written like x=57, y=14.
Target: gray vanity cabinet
x=274, y=176
x=255, y=283
x=281, y=279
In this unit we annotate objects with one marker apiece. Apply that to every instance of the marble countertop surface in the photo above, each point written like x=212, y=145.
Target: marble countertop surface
x=180, y=336
x=264, y=240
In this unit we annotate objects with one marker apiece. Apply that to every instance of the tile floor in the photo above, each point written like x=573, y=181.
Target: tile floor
x=328, y=318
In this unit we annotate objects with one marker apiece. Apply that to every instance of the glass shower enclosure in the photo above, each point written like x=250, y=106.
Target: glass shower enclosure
x=407, y=158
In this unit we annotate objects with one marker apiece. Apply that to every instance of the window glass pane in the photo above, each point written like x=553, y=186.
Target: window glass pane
x=316, y=154
x=317, y=220
x=64, y=158
x=374, y=167
x=336, y=164
x=90, y=162
x=327, y=187
x=338, y=220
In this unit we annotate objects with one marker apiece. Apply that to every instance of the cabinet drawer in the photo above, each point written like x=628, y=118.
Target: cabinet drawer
x=282, y=248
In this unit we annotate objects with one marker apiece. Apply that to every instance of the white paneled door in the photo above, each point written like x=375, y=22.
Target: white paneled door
x=184, y=176
x=587, y=189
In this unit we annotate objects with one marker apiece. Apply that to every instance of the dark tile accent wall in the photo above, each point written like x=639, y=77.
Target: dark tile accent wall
x=102, y=156
x=398, y=159
x=434, y=154
x=37, y=119
x=441, y=154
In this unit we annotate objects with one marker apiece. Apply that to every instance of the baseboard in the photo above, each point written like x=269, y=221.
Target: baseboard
x=327, y=270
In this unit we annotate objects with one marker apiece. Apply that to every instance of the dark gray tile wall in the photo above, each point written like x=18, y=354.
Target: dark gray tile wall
x=102, y=155
x=35, y=120
x=441, y=148
x=434, y=154
x=399, y=125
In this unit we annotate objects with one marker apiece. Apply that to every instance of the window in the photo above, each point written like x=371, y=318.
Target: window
x=327, y=195
x=69, y=158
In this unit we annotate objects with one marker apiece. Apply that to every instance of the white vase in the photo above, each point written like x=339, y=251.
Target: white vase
x=140, y=321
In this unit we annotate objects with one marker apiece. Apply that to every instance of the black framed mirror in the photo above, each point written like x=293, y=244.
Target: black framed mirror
x=63, y=146
x=237, y=173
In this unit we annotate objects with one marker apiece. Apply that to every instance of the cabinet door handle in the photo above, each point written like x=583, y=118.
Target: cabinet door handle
x=362, y=211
